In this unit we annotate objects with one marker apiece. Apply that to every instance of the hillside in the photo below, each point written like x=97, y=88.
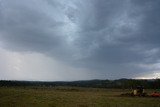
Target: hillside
x=120, y=83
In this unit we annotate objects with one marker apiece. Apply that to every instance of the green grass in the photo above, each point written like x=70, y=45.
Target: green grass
x=70, y=97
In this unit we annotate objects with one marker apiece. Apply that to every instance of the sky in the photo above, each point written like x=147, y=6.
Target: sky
x=66, y=40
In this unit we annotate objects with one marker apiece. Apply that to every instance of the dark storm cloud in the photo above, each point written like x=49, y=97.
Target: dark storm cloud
x=27, y=28
x=106, y=36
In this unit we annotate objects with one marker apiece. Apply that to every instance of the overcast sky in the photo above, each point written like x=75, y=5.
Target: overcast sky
x=59, y=40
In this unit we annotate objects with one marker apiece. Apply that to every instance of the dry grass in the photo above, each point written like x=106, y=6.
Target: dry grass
x=70, y=97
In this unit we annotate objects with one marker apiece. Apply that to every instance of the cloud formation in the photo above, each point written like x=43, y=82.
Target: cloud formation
x=97, y=39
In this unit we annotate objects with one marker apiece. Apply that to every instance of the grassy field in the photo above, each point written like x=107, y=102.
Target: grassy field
x=70, y=97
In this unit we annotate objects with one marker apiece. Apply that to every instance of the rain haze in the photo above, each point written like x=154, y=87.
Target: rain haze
x=65, y=40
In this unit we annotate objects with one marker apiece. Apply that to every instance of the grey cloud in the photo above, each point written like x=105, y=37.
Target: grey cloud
x=107, y=37
x=115, y=38
x=28, y=29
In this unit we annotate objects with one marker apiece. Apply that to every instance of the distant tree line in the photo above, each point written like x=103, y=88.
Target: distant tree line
x=121, y=83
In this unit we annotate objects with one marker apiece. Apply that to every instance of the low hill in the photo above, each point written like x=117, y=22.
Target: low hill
x=120, y=83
